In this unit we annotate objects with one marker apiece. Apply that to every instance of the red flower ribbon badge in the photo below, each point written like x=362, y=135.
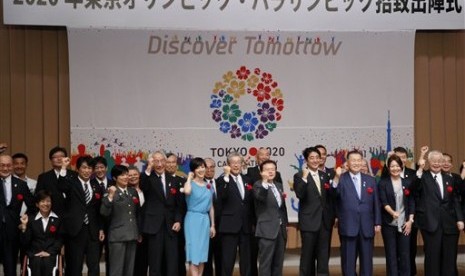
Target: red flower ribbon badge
x=97, y=196
x=369, y=190
x=406, y=192
x=248, y=187
x=173, y=191
x=209, y=186
x=20, y=197
x=326, y=186
x=135, y=200
x=284, y=195
x=450, y=189
x=52, y=229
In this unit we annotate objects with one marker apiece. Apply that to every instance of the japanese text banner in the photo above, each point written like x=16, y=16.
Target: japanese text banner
x=257, y=15
x=198, y=93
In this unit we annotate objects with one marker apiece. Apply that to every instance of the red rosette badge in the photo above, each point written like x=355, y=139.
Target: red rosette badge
x=135, y=200
x=53, y=229
x=369, y=190
x=20, y=197
x=450, y=189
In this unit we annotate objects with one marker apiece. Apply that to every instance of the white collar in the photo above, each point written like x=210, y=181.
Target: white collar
x=51, y=215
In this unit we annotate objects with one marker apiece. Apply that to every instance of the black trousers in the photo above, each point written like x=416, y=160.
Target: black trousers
x=163, y=253
x=230, y=243
x=82, y=246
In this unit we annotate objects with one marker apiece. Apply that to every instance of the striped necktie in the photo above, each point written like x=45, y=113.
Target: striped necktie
x=88, y=198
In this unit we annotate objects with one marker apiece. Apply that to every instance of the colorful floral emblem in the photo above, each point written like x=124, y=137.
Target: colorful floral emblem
x=247, y=125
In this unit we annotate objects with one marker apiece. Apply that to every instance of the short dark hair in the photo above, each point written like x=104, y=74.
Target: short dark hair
x=55, y=150
x=100, y=160
x=354, y=152
x=84, y=159
x=118, y=170
x=401, y=150
x=319, y=146
x=396, y=158
x=41, y=195
x=20, y=155
x=169, y=154
x=196, y=162
x=306, y=152
x=268, y=162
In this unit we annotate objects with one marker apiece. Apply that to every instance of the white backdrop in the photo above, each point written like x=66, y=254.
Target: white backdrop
x=135, y=91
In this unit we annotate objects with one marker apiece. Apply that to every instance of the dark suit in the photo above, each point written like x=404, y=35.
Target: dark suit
x=437, y=219
x=270, y=228
x=237, y=218
x=82, y=239
x=253, y=173
x=409, y=176
x=49, y=181
x=9, y=216
x=357, y=220
x=103, y=192
x=316, y=218
x=214, y=251
x=396, y=244
x=161, y=212
x=35, y=240
x=122, y=231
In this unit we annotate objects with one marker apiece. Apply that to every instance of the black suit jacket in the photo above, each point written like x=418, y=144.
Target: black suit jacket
x=253, y=173
x=48, y=181
x=315, y=209
x=35, y=239
x=388, y=197
x=103, y=191
x=236, y=213
x=76, y=207
x=160, y=211
x=432, y=211
x=10, y=213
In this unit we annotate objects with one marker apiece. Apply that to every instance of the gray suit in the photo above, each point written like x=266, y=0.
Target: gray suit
x=270, y=228
x=122, y=231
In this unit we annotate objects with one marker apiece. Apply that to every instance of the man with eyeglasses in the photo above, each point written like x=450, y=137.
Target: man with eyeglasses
x=49, y=180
